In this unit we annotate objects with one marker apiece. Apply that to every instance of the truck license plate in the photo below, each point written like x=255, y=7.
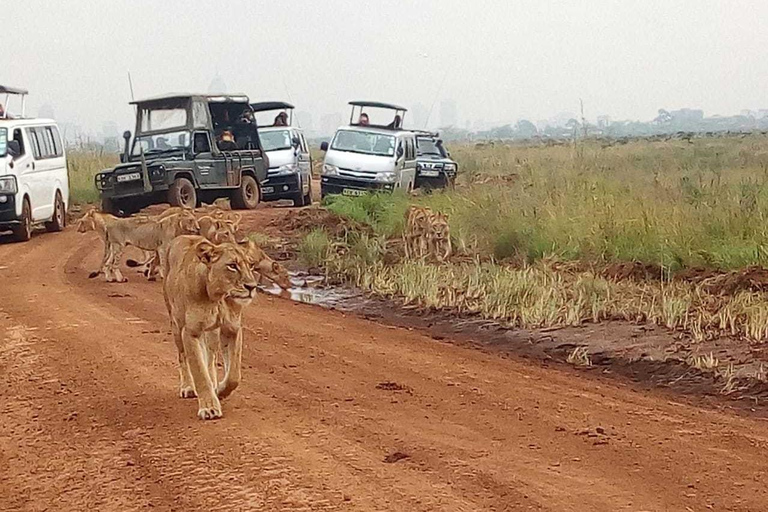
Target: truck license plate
x=353, y=192
x=430, y=173
x=131, y=176
x=267, y=190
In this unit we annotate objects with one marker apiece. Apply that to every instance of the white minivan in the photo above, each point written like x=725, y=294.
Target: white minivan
x=34, y=185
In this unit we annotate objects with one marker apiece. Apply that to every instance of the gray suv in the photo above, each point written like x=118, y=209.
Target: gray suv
x=435, y=168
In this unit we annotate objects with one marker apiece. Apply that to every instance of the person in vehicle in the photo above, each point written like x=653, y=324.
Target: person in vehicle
x=281, y=119
x=226, y=141
x=2, y=111
x=363, y=121
x=395, y=124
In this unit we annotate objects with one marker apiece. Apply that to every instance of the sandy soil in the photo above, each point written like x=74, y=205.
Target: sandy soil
x=336, y=412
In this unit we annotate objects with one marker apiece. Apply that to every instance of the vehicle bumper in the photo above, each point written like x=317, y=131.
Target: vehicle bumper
x=280, y=187
x=8, y=216
x=337, y=185
x=440, y=181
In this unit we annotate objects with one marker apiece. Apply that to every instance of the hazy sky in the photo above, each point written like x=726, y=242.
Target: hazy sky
x=502, y=59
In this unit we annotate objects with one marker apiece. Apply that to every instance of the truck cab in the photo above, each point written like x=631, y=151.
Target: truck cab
x=365, y=157
x=188, y=148
x=290, y=164
x=34, y=184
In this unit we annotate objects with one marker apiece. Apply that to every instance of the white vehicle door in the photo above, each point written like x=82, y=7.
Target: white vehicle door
x=304, y=161
x=24, y=169
x=409, y=165
x=41, y=186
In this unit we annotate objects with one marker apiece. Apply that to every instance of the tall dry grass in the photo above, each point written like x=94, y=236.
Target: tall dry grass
x=82, y=167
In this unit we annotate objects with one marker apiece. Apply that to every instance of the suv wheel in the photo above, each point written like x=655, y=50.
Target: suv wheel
x=23, y=231
x=182, y=193
x=248, y=195
x=59, y=219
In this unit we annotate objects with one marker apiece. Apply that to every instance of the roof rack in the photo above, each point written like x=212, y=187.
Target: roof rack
x=263, y=106
x=377, y=104
x=359, y=106
x=8, y=91
x=219, y=98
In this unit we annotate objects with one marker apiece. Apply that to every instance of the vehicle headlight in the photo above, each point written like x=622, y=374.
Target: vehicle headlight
x=386, y=177
x=450, y=167
x=8, y=185
x=286, y=169
x=330, y=170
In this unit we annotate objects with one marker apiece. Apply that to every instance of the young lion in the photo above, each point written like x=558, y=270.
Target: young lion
x=206, y=288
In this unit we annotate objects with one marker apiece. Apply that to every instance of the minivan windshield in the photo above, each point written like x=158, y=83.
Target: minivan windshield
x=160, y=143
x=275, y=140
x=3, y=141
x=427, y=146
x=367, y=143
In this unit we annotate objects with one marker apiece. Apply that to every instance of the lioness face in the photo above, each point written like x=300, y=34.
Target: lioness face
x=186, y=224
x=230, y=271
x=86, y=222
x=266, y=266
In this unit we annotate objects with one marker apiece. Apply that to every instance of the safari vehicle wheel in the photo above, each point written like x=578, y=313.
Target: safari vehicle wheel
x=182, y=193
x=247, y=196
x=59, y=219
x=23, y=231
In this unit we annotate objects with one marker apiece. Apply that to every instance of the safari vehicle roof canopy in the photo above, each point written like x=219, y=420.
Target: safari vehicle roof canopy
x=266, y=106
x=358, y=109
x=180, y=111
x=13, y=91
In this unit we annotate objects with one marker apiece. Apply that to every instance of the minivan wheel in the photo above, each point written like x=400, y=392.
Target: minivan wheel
x=247, y=196
x=59, y=219
x=300, y=199
x=182, y=193
x=23, y=231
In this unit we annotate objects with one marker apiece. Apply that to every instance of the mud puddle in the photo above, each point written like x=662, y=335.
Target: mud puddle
x=647, y=355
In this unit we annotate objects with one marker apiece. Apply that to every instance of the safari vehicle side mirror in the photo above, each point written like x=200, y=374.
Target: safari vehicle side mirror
x=14, y=149
x=324, y=146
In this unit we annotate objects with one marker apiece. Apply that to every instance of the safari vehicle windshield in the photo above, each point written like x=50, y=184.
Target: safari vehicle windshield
x=275, y=140
x=161, y=143
x=3, y=141
x=162, y=119
x=367, y=143
x=427, y=146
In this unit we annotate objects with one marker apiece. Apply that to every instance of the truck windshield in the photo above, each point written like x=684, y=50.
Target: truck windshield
x=275, y=140
x=161, y=143
x=367, y=143
x=427, y=146
x=3, y=141
x=162, y=119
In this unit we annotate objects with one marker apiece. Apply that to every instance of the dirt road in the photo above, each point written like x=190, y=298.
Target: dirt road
x=335, y=413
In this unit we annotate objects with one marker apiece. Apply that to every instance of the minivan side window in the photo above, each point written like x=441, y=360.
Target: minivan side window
x=18, y=138
x=56, y=138
x=35, y=143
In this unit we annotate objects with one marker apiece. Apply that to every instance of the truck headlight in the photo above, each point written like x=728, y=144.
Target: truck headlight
x=330, y=170
x=386, y=177
x=450, y=168
x=286, y=169
x=8, y=185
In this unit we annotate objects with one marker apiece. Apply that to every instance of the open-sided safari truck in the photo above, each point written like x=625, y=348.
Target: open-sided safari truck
x=187, y=148
x=290, y=165
x=365, y=156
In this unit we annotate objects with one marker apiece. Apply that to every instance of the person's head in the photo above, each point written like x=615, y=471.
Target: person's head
x=397, y=121
x=363, y=119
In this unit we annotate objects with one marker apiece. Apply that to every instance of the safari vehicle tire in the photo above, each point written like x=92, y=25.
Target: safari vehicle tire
x=23, y=231
x=122, y=208
x=182, y=193
x=247, y=196
x=59, y=219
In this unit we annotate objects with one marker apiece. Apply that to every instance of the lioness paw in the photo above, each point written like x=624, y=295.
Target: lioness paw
x=188, y=392
x=209, y=413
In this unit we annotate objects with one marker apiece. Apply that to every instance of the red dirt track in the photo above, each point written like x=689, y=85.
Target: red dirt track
x=335, y=413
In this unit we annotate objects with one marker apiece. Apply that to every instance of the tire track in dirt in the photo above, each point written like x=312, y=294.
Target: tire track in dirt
x=309, y=430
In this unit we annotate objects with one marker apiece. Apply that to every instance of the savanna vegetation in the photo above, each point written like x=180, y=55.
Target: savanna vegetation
x=83, y=166
x=535, y=228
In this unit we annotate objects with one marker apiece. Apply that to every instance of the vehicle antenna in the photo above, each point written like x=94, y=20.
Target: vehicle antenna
x=130, y=85
x=437, y=93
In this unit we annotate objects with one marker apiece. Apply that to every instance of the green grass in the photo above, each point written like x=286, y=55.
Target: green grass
x=82, y=167
x=674, y=204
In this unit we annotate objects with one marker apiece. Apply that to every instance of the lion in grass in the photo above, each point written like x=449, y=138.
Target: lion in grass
x=206, y=288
